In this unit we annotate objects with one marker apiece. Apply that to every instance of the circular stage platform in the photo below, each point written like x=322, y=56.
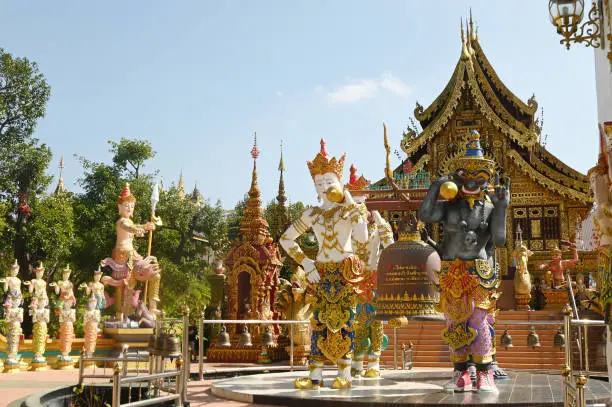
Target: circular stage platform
x=422, y=387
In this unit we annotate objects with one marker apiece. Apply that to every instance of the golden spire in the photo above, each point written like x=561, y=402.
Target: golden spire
x=282, y=214
x=281, y=182
x=473, y=36
x=181, y=186
x=281, y=164
x=468, y=35
x=61, y=188
x=254, y=227
x=464, y=51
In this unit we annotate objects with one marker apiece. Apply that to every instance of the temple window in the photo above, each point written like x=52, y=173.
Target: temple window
x=540, y=225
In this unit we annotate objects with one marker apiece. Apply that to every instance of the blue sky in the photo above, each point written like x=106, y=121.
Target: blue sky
x=196, y=78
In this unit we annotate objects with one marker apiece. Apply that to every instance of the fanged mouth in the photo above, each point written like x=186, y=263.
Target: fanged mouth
x=466, y=191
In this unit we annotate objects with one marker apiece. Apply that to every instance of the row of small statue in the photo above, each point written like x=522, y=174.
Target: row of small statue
x=39, y=311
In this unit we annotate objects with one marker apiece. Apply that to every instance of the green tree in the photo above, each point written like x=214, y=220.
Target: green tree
x=50, y=231
x=131, y=155
x=234, y=219
x=24, y=93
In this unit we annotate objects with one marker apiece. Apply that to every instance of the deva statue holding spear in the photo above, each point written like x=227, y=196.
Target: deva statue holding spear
x=129, y=267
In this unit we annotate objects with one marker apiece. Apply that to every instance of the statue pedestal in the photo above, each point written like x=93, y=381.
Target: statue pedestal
x=12, y=366
x=65, y=364
x=39, y=366
x=522, y=301
x=556, y=299
x=264, y=357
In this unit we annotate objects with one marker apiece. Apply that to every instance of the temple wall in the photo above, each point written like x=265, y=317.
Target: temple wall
x=603, y=73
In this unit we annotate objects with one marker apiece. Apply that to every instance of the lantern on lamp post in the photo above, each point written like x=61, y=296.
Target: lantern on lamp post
x=567, y=16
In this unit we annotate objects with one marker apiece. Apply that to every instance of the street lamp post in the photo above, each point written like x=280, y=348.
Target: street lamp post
x=567, y=16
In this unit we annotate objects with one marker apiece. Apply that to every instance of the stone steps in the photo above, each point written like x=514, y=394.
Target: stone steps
x=430, y=351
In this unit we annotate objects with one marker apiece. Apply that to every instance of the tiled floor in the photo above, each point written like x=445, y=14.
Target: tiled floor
x=405, y=388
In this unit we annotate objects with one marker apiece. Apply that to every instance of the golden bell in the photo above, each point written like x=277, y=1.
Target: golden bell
x=533, y=339
x=506, y=340
x=223, y=339
x=172, y=346
x=245, y=337
x=559, y=339
x=267, y=339
x=335, y=194
x=449, y=190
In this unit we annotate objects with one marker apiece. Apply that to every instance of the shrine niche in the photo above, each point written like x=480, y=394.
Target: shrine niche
x=548, y=198
x=252, y=278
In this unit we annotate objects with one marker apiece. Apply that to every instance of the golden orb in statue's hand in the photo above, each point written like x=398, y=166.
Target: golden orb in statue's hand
x=449, y=190
x=335, y=194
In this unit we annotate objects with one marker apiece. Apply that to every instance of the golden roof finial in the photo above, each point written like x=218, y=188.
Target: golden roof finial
x=472, y=32
x=281, y=218
x=61, y=188
x=281, y=164
x=255, y=150
x=468, y=35
x=464, y=51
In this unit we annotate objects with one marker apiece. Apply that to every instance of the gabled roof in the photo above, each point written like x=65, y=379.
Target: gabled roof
x=474, y=76
x=499, y=105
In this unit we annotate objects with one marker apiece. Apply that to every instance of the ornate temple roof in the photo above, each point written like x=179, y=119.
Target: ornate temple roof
x=474, y=76
x=499, y=105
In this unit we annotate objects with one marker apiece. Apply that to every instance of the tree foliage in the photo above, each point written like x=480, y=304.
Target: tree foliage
x=50, y=231
x=130, y=155
x=24, y=93
x=234, y=219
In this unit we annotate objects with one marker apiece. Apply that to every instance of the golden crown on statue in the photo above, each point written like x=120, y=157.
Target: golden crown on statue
x=323, y=164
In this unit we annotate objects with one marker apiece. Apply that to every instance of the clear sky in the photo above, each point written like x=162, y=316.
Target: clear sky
x=196, y=78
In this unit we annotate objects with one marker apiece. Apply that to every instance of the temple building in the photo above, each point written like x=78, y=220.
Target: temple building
x=548, y=198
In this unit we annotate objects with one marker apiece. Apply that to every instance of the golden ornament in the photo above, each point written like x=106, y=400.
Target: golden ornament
x=335, y=194
x=449, y=190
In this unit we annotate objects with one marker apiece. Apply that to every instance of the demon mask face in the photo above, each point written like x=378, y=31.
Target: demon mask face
x=472, y=183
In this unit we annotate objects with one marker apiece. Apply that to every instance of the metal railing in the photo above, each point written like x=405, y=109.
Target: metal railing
x=154, y=381
x=124, y=359
x=157, y=375
x=574, y=382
